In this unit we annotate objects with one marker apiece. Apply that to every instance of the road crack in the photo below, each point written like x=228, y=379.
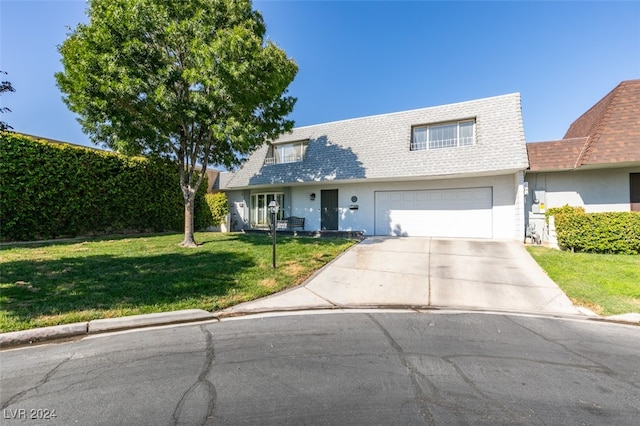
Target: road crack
x=596, y=367
x=202, y=383
x=489, y=401
x=421, y=398
x=46, y=379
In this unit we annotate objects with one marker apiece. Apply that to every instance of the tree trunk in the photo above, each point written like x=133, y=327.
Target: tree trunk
x=189, y=219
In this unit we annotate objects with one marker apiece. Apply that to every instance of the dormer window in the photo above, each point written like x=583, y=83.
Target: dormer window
x=291, y=152
x=443, y=135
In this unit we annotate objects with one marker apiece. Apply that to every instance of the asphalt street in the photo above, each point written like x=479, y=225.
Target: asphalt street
x=357, y=367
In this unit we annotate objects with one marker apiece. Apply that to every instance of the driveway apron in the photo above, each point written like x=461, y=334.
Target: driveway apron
x=426, y=272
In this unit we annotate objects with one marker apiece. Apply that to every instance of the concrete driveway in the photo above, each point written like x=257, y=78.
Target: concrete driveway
x=426, y=272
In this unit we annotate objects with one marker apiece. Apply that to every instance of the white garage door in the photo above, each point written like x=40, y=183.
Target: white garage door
x=465, y=212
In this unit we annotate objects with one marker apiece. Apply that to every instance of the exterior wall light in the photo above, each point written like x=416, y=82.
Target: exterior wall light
x=312, y=197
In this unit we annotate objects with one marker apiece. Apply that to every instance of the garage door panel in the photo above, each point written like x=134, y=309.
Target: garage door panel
x=395, y=196
x=440, y=213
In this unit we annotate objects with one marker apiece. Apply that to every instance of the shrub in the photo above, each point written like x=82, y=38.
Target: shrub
x=50, y=190
x=218, y=206
x=615, y=232
x=555, y=211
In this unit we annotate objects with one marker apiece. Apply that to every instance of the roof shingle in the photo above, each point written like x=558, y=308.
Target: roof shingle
x=377, y=147
x=609, y=130
x=555, y=155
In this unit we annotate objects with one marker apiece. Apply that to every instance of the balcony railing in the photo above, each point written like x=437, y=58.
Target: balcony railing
x=287, y=159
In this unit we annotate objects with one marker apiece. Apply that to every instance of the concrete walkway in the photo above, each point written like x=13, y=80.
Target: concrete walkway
x=426, y=272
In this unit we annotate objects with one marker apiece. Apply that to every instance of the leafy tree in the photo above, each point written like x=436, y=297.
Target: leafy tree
x=5, y=86
x=192, y=80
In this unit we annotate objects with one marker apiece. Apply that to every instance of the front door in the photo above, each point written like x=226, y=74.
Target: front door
x=634, y=184
x=329, y=209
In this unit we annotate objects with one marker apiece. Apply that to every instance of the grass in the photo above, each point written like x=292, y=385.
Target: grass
x=608, y=284
x=65, y=282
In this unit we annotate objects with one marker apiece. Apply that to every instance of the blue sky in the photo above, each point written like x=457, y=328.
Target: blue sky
x=360, y=58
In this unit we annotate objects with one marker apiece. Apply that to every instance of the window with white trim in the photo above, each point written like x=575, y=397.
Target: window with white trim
x=259, y=210
x=292, y=152
x=444, y=135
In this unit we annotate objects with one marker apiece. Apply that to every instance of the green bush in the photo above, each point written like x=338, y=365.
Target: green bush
x=218, y=206
x=50, y=190
x=615, y=232
x=554, y=211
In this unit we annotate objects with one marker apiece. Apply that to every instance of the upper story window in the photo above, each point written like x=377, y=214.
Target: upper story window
x=292, y=152
x=445, y=135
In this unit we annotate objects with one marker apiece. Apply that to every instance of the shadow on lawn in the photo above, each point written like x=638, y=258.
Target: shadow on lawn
x=257, y=240
x=106, y=282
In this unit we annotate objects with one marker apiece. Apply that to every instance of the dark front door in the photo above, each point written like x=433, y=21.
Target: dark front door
x=634, y=184
x=329, y=209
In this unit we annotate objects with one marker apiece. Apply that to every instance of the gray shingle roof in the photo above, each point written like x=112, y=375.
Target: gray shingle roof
x=377, y=147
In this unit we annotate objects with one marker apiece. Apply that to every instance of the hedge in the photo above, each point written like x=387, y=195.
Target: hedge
x=50, y=190
x=553, y=211
x=614, y=232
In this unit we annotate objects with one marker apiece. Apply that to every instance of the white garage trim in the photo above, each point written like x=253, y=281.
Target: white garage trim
x=460, y=212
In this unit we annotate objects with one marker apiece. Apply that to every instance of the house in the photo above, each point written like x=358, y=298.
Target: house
x=597, y=163
x=448, y=171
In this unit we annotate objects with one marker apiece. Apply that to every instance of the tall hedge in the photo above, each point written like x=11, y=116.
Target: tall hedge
x=50, y=190
x=614, y=232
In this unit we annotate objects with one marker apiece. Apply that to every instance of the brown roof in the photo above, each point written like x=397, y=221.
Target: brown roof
x=555, y=155
x=608, y=133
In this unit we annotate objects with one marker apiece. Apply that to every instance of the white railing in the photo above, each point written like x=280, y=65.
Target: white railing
x=287, y=159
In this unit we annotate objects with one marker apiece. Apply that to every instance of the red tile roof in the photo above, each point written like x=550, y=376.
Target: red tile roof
x=608, y=133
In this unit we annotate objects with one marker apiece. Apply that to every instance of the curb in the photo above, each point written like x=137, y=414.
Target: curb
x=630, y=318
x=56, y=332
x=77, y=330
x=27, y=337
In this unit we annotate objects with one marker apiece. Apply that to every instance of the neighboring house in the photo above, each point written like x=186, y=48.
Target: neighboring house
x=597, y=163
x=449, y=171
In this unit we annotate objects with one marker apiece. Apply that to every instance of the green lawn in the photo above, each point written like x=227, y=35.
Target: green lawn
x=65, y=282
x=608, y=284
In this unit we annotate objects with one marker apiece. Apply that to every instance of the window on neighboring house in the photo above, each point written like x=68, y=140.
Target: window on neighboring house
x=259, y=213
x=286, y=152
x=446, y=135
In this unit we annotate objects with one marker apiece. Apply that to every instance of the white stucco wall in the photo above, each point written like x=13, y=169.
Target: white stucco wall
x=238, y=210
x=507, y=217
x=603, y=190
x=519, y=204
x=600, y=190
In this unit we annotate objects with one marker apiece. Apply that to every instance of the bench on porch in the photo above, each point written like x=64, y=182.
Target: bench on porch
x=289, y=223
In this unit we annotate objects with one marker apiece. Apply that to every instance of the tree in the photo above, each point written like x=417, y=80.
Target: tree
x=5, y=86
x=192, y=80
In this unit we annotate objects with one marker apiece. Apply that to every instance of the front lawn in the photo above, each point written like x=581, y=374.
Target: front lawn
x=608, y=284
x=65, y=282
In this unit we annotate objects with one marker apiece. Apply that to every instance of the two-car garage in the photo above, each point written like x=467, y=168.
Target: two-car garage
x=460, y=212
